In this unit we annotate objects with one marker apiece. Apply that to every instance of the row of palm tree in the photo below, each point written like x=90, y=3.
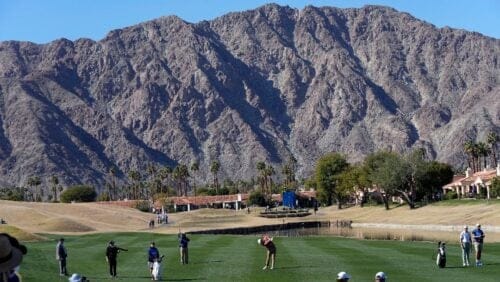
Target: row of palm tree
x=476, y=151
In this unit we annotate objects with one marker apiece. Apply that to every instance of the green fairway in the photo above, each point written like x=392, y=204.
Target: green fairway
x=240, y=258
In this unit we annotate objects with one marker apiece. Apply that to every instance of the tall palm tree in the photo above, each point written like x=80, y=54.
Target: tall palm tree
x=483, y=151
x=164, y=174
x=54, y=181
x=112, y=174
x=261, y=167
x=493, y=140
x=34, y=182
x=195, y=167
x=468, y=148
x=269, y=172
x=214, y=169
x=135, y=176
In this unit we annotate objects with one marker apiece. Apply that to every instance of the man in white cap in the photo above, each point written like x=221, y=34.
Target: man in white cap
x=478, y=238
x=343, y=277
x=465, y=243
x=380, y=277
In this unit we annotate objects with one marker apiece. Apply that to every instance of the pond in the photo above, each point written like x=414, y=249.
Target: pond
x=371, y=233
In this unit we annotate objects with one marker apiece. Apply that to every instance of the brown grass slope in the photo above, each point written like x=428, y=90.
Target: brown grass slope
x=94, y=217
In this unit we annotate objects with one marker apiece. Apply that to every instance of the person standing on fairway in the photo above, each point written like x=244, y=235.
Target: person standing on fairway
x=267, y=242
x=183, y=246
x=465, y=243
x=111, y=254
x=61, y=256
x=478, y=238
x=343, y=277
x=153, y=255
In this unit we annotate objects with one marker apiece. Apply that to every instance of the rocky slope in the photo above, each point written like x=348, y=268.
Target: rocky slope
x=264, y=84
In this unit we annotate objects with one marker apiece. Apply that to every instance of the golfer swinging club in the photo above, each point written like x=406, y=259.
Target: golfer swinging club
x=267, y=242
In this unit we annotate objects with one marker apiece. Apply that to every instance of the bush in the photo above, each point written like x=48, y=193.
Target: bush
x=143, y=206
x=12, y=194
x=495, y=187
x=257, y=198
x=103, y=197
x=78, y=193
x=450, y=195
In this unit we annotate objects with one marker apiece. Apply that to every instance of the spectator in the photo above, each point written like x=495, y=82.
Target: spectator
x=61, y=255
x=478, y=238
x=183, y=245
x=343, y=277
x=11, y=255
x=111, y=256
x=465, y=243
x=77, y=278
x=380, y=277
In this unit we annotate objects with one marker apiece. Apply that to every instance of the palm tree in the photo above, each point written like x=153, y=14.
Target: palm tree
x=54, y=181
x=112, y=174
x=214, y=169
x=493, y=139
x=34, y=182
x=181, y=173
x=269, y=172
x=468, y=148
x=261, y=167
x=483, y=151
x=135, y=176
x=164, y=174
x=195, y=167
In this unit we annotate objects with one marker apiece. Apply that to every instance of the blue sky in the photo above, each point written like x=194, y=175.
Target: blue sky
x=43, y=21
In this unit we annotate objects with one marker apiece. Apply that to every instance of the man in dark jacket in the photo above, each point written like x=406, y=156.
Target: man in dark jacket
x=153, y=255
x=111, y=254
x=61, y=256
x=183, y=245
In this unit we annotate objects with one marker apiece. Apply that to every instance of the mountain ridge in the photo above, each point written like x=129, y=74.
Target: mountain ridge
x=263, y=84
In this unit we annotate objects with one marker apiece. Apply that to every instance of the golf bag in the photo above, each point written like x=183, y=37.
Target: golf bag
x=441, y=255
x=157, y=269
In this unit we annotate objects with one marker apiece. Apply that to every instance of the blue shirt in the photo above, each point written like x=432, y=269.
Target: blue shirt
x=153, y=254
x=478, y=235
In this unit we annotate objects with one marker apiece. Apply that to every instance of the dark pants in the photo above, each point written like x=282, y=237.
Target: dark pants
x=112, y=267
x=62, y=267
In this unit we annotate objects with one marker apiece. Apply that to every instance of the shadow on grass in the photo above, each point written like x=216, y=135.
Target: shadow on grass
x=296, y=267
x=206, y=262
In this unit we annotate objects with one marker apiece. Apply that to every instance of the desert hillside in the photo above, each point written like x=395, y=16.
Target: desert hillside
x=261, y=85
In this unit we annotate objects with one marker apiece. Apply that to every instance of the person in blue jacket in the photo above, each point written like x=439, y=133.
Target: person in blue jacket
x=153, y=255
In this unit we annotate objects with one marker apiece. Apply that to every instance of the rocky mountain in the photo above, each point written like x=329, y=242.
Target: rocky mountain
x=264, y=84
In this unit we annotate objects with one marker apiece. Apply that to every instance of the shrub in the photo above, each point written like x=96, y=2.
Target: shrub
x=103, y=197
x=12, y=194
x=256, y=198
x=143, y=206
x=495, y=187
x=450, y=195
x=78, y=193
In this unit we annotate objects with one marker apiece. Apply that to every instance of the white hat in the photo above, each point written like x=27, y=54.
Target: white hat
x=478, y=225
x=75, y=278
x=10, y=255
x=380, y=275
x=343, y=275
x=465, y=227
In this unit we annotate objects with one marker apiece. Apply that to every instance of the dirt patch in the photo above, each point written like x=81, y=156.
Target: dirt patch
x=63, y=225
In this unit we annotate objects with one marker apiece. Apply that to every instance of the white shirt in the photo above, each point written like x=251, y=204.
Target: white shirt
x=465, y=237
